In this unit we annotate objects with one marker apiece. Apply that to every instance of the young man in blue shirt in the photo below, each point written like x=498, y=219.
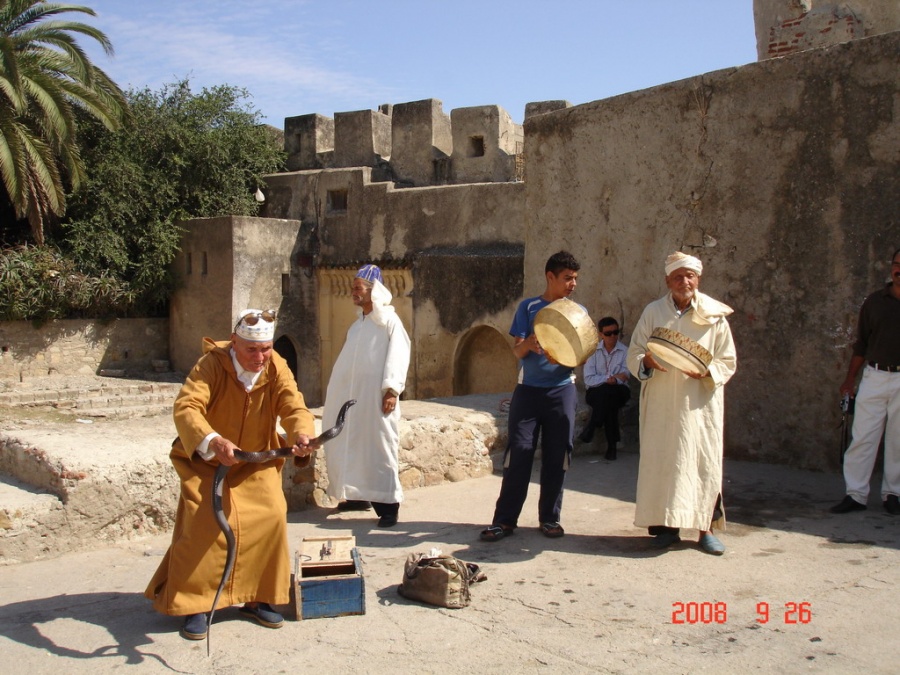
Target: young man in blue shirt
x=543, y=404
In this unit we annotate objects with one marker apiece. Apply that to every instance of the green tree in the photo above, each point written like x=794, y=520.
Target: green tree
x=46, y=79
x=182, y=155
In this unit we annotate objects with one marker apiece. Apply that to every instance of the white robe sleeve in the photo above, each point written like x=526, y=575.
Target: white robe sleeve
x=397, y=362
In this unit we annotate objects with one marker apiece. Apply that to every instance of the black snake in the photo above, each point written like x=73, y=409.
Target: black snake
x=219, y=482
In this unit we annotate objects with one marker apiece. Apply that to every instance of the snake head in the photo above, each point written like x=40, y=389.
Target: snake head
x=335, y=430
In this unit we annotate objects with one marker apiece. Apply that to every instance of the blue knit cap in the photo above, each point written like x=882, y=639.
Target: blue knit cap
x=370, y=273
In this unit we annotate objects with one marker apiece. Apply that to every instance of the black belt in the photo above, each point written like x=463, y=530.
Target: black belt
x=889, y=369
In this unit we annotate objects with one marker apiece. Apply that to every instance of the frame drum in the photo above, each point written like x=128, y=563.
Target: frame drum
x=566, y=332
x=679, y=351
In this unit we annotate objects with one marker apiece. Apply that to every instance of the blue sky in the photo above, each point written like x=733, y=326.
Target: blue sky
x=325, y=56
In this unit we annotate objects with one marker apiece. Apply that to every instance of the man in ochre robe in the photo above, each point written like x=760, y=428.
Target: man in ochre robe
x=232, y=399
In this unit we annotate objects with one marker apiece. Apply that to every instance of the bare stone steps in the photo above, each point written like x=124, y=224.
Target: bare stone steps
x=118, y=400
x=121, y=411
x=93, y=398
x=59, y=397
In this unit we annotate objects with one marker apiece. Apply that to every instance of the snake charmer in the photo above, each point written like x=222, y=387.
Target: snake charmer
x=231, y=400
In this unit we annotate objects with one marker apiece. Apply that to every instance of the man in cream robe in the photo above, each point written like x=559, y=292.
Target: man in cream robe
x=232, y=399
x=682, y=414
x=363, y=462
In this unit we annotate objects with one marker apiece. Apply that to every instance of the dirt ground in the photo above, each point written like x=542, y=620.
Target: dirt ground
x=598, y=600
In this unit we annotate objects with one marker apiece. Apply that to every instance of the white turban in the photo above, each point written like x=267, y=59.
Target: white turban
x=678, y=260
x=262, y=330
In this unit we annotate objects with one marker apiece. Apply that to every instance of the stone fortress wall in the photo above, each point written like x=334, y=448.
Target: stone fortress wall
x=82, y=347
x=787, y=26
x=781, y=175
x=438, y=206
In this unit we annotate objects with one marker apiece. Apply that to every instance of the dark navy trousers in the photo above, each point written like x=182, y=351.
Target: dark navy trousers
x=605, y=402
x=548, y=414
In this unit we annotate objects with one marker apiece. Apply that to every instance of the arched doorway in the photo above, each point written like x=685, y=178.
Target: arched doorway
x=484, y=363
x=285, y=348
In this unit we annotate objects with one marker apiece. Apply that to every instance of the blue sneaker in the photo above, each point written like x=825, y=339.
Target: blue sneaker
x=194, y=627
x=264, y=615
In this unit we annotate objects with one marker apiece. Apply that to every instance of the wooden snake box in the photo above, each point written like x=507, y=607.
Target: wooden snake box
x=328, y=578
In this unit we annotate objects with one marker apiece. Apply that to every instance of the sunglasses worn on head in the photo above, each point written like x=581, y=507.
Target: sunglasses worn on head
x=253, y=318
x=608, y=333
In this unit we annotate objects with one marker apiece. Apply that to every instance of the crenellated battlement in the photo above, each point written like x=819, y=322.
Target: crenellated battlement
x=414, y=144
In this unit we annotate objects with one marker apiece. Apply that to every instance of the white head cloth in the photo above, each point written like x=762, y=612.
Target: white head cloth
x=381, y=303
x=678, y=260
x=263, y=331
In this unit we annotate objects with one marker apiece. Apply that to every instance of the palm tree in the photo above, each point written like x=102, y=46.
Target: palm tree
x=45, y=78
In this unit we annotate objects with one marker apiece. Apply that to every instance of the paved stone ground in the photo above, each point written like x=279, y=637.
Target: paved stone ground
x=597, y=600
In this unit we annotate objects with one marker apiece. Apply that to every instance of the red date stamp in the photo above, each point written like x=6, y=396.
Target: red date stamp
x=717, y=612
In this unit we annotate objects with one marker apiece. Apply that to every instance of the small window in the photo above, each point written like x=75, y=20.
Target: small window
x=337, y=200
x=204, y=267
x=476, y=146
x=188, y=263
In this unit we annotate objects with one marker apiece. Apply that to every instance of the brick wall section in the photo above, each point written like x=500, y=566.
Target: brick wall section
x=812, y=30
x=81, y=347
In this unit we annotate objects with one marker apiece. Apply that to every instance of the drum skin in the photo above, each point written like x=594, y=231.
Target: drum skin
x=566, y=332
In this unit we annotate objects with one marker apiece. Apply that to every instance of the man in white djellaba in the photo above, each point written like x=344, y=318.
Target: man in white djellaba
x=682, y=413
x=363, y=461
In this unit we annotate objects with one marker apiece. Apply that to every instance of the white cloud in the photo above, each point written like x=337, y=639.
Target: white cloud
x=281, y=64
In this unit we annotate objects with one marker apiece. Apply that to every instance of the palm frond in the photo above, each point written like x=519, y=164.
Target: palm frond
x=45, y=76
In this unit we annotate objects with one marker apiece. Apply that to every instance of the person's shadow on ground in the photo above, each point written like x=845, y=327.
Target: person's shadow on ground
x=28, y=623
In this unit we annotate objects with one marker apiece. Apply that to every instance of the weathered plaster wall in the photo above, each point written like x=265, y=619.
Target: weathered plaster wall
x=784, y=26
x=458, y=290
x=465, y=224
x=81, y=347
x=781, y=175
x=485, y=144
x=336, y=313
x=420, y=134
x=361, y=138
x=384, y=223
x=309, y=142
x=235, y=263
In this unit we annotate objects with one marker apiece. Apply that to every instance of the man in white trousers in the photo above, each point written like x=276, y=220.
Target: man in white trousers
x=877, y=409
